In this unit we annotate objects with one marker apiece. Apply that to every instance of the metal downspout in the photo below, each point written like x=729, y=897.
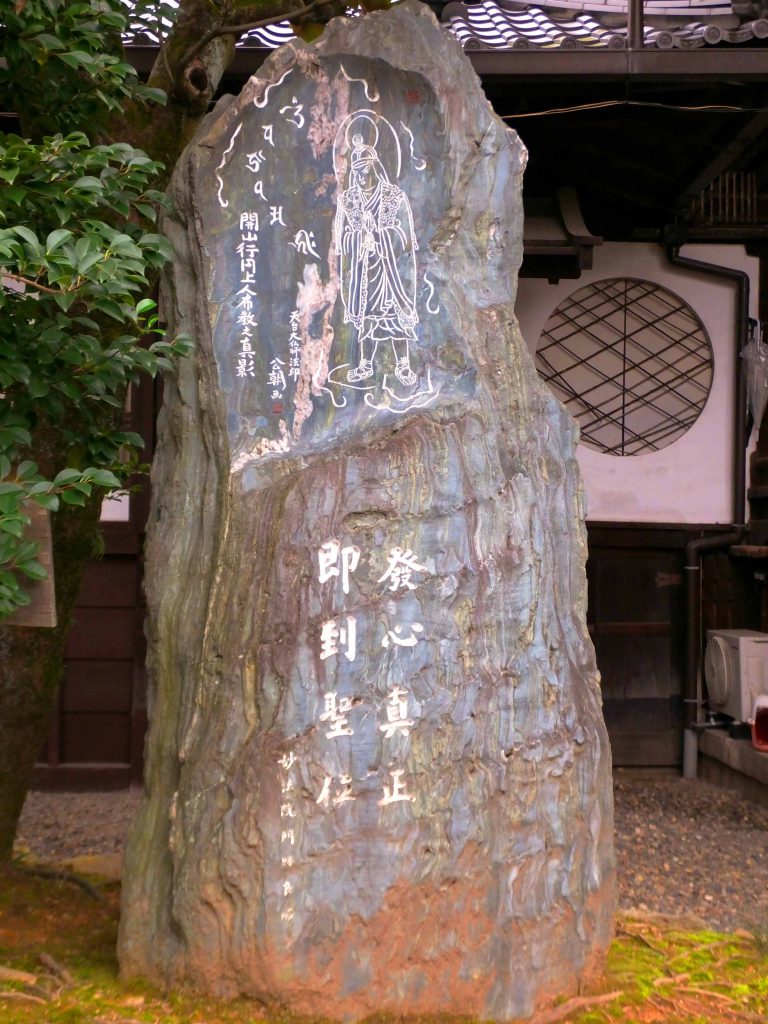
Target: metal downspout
x=692, y=695
x=636, y=31
x=692, y=690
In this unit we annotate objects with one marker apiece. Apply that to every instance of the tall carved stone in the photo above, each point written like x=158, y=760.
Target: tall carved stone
x=378, y=777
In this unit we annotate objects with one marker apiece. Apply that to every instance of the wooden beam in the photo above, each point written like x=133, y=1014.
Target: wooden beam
x=636, y=25
x=704, y=64
x=659, y=65
x=725, y=158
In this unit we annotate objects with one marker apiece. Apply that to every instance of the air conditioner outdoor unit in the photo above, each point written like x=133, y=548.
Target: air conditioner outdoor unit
x=735, y=670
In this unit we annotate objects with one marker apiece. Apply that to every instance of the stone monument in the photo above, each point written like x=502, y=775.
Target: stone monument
x=377, y=776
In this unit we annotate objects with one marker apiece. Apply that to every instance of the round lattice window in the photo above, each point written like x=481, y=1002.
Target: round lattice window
x=631, y=361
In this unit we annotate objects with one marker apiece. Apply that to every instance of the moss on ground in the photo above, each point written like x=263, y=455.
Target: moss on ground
x=659, y=970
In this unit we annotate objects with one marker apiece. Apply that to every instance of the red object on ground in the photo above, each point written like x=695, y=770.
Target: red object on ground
x=759, y=723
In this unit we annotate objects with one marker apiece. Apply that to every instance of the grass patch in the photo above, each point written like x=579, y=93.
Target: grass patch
x=659, y=970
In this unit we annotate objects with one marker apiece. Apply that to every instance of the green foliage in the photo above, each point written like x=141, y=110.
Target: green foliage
x=78, y=251
x=63, y=63
x=680, y=975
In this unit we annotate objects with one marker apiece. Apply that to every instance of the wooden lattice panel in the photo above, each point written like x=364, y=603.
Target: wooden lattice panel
x=631, y=361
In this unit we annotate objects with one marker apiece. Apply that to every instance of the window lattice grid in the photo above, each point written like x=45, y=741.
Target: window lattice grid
x=631, y=361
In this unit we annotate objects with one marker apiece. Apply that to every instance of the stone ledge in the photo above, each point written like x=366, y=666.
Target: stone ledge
x=734, y=764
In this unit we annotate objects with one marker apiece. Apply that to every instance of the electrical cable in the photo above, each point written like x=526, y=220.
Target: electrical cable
x=714, y=108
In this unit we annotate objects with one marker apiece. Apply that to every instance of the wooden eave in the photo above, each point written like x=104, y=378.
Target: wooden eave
x=556, y=241
x=704, y=65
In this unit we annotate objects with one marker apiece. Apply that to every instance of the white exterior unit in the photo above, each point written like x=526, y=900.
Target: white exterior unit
x=735, y=670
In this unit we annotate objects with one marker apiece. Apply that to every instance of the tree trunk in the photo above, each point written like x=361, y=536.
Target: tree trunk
x=378, y=779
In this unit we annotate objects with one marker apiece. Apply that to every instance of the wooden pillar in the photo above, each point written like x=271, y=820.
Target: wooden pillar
x=636, y=25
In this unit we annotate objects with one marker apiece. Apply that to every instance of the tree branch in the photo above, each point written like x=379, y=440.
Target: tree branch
x=236, y=30
x=33, y=284
x=573, y=1005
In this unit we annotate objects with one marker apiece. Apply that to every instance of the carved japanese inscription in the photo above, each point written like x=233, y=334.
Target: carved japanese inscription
x=378, y=777
x=334, y=316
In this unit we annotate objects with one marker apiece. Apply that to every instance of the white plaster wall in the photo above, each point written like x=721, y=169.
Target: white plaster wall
x=691, y=480
x=116, y=508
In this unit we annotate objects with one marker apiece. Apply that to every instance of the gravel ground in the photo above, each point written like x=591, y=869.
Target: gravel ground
x=683, y=846
x=61, y=826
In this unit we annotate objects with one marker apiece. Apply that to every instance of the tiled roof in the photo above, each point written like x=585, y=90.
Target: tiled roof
x=149, y=27
x=571, y=24
x=564, y=24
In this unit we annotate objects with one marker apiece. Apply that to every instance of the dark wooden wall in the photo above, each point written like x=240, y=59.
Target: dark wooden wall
x=96, y=739
x=637, y=620
x=636, y=577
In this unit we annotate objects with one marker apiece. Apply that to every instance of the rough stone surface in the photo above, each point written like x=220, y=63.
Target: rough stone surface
x=378, y=777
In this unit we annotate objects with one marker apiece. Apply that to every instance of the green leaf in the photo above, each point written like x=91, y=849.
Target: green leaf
x=111, y=308
x=16, y=371
x=10, y=503
x=147, y=211
x=64, y=300
x=57, y=238
x=89, y=183
x=34, y=570
x=26, y=234
x=26, y=550
x=69, y=389
x=77, y=58
x=73, y=498
x=20, y=599
x=48, y=501
x=11, y=525
x=15, y=433
x=89, y=260
x=132, y=439
x=66, y=476
x=49, y=42
x=149, y=94
x=38, y=389
x=158, y=243
x=25, y=470
x=102, y=478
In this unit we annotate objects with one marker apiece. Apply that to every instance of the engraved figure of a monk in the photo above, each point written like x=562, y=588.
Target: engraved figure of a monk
x=377, y=253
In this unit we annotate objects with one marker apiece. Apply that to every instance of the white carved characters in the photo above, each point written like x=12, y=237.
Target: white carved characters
x=377, y=247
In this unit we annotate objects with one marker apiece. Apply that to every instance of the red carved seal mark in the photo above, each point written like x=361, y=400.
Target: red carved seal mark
x=412, y=96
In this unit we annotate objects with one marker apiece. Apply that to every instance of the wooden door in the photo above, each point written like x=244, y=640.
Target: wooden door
x=637, y=621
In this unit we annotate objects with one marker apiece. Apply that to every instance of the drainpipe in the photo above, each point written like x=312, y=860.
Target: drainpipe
x=636, y=27
x=693, y=718
x=692, y=691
